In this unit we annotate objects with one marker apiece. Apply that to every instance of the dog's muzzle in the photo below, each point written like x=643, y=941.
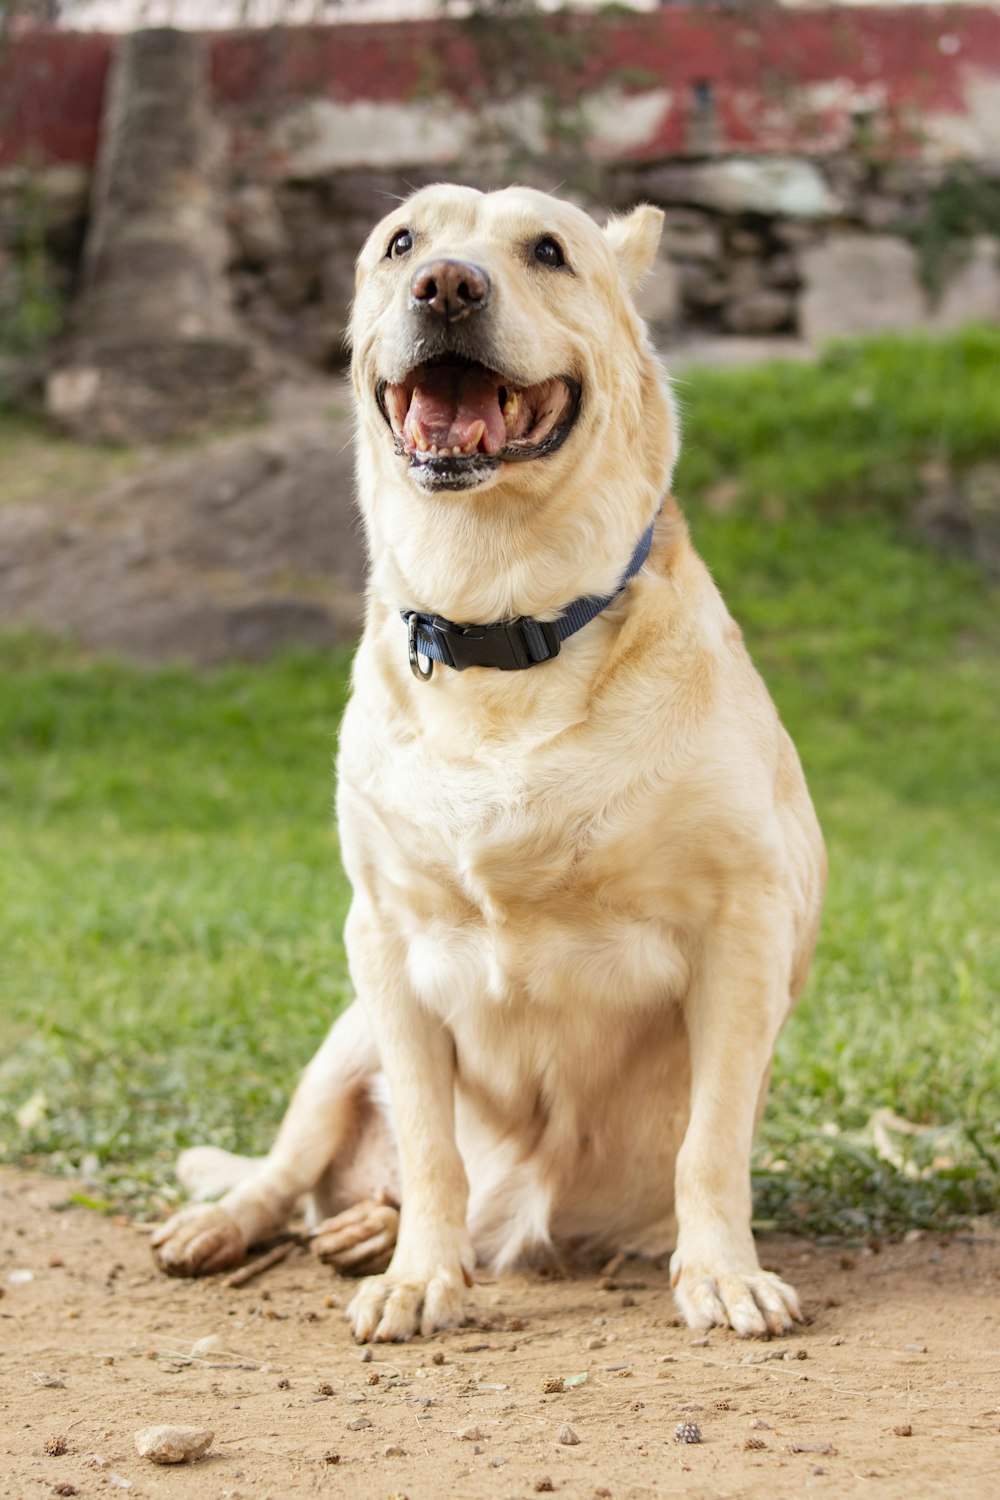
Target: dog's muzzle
x=457, y=420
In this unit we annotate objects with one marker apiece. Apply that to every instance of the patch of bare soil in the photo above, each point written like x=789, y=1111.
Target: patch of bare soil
x=572, y=1387
x=228, y=550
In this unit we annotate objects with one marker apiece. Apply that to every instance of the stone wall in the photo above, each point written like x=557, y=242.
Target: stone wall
x=822, y=171
x=751, y=246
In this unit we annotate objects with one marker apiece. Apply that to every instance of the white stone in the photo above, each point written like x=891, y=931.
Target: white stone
x=173, y=1445
x=320, y=135
x=970, y=133
x=786, y=185
x=70, y=391
x=859, y=283
x=617, y=123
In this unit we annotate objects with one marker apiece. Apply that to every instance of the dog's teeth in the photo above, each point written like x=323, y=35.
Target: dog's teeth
x=434, y=450
x=456, y=452
x=511, y=407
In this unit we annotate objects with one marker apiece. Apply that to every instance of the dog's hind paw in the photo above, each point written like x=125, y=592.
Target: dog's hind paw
x=755, y=1304
x=198, y=1240
x=388, y=1309
x=360, y=1240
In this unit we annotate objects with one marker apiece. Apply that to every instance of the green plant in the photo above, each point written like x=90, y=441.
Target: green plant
x=964, y=205
x=31, y=306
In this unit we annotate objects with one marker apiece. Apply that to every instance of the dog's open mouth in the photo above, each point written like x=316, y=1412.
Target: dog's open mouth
x=456, y=420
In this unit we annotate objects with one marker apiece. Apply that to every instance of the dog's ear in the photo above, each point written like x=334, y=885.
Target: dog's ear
x=634, y=238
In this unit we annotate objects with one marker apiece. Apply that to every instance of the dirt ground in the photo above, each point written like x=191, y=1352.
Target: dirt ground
x=891, y=1390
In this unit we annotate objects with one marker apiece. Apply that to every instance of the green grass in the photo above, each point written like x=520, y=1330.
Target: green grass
x=171, y=901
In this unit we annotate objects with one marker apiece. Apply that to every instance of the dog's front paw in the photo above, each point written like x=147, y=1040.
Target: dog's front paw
x=198, y=1240
x=754, y=1303
x=417, y=1295
x=388, y=1309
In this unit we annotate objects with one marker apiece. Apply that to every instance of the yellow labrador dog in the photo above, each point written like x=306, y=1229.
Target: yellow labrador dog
x=587, y=873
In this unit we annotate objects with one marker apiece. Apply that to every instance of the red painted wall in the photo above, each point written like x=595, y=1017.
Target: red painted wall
x=51, y=83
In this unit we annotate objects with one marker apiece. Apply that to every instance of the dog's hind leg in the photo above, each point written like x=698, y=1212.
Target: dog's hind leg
x=320, y=1129
x=206, y=1172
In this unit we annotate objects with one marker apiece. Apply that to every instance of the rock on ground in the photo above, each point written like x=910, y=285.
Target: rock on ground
x=173, y=1445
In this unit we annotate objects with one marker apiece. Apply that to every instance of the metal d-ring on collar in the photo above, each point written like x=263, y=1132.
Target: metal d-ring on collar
x=508, y=645
x=412, y=625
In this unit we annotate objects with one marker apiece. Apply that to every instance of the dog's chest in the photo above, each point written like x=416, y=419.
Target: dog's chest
x=518, y=877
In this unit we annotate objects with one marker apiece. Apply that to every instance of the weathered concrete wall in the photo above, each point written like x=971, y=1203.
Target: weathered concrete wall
x=802, y=157
x=690, y=79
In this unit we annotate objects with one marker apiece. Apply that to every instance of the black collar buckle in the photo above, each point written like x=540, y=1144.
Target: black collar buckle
x=509, y=646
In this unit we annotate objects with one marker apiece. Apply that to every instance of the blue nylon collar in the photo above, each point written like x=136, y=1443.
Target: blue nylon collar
x=508, y=645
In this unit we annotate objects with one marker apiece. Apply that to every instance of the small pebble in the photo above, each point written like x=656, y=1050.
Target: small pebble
x=55, y=1447
x=752, y=1443
x=393, y=1450
x=544, y=1486
x=553, y=1385
x=567, y=1436
x=759, y=1425
x=173, y=1445
x=903, y=1430
x=701, y=1343
x=916, y=1348
x=687, y=1432
x=204, y=1346
x=366, y=1356
x=470, y=1434
x=357, y=1423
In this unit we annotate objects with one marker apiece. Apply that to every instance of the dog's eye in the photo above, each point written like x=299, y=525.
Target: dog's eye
x=548, y=252
x=401, y=242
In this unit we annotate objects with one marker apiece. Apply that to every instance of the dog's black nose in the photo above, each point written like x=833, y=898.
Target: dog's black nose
x=450, y=288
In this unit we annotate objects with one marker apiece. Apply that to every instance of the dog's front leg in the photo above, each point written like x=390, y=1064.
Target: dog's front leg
x=424, y=1287
x=735, y=1008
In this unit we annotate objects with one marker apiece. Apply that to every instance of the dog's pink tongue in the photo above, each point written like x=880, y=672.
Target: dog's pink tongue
x=454, y=407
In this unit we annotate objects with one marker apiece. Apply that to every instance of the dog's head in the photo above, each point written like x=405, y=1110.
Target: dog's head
x=496, y=346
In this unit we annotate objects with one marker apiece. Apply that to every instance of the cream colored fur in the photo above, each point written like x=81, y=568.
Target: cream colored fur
x=585, y=895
